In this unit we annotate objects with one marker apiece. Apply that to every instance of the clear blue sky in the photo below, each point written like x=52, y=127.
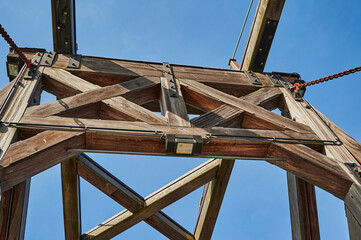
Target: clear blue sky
x=314, y=38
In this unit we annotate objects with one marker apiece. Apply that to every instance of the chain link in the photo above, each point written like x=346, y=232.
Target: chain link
x=325, y=79
x=8, y=39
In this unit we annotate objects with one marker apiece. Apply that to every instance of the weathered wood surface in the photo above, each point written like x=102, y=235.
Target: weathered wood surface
x=223, y=115
x=156, y=201
x=125, y=196
x=353, y=146
x=71, y=199
x=270, y=118
x=117, y=108
x=36, y=154
x=266, y=10
x=90, y=97
x=173, y=108
x=353, y=226
x=21, y=97
x=13, y=211
x=212, y=201
x=303, y=209
x=313, y=167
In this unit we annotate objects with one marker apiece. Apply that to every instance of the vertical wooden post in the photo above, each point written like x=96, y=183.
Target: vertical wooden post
x=71, y=199
x=13, y=211
x=353, y=211
x=303, y=209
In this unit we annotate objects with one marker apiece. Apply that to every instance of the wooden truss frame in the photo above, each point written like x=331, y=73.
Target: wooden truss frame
x=110, y=105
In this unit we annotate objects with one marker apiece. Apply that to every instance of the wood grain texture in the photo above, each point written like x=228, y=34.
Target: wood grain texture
x=125, y=196
x=71, y=199
x=36, y=154
x=21, y=97
x=313, y=167
x=156, y=201
x=91, y=97
x=223, y=115
x=303, y=209
x=212, y=201
x=266, y=9
x=13, y=211
x=255, y=111
x=353, y=226
x=117, y=108
x=174, y=108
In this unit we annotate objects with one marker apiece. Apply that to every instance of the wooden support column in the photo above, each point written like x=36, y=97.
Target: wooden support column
x=303, y=208
x=13, y=211
x=261, y=35
x=353, y=211
x=212, y=201
x=71, y=199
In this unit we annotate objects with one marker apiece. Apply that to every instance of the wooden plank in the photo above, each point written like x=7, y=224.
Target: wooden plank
x=353, y=226
x=22, y=95
x=353, y=201
x=276, y=120
x=259, y=41
x=221, y=116
x=145, y=138
x=13, y=211
x=36, y=154
x=125, y=196
x=303, y=208
x=117, y=108
x=91, y=97
x=313, y=167
x=348, y=142
x=212, y=201
x=173, y=108
x=71, y=199
x=156, y=201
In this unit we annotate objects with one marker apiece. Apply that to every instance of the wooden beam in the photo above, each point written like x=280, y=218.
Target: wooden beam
x=21, y=96
x=125, y=196
x=348, y=142
x=303, y=208
x=353, y=211
x=13, y=211
x=313, y=167
x=71, y=199
x=156, y=201
x=57, y=80
x=212, y=201
x=91, y=97
x=145, y=138
x=221, y=116
x=63, y=18
x=261, y=35
x=260, y=113
x=173, y=106
x=36, y=154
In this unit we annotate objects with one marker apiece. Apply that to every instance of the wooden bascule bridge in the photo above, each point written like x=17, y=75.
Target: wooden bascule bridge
x=108, y=105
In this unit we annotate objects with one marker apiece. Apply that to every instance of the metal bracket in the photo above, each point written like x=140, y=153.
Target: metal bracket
x=74, y=61
x=37, y=58
x=168, y=72
x=252, y=77
x=183, y=144
x=275, y=79
x=47, y=59
x=355, y=170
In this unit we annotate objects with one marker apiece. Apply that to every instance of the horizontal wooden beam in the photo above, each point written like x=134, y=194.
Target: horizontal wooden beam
x=156, y=201
x=36, y=154
x=125, y=196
